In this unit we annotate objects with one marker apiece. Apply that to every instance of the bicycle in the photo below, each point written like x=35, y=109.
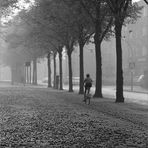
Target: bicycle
x=87, y=96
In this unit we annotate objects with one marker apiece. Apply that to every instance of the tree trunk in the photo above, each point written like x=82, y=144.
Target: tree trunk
x=24, y=74
x=119, y=71
x=30, y=72
x=27, y=74
x=98, y=90
x=70, y=71
x=81, y=87
x=54, y=63
x=32, y=75
x=60, y=69
x=12, y=75
x=34, y=72
x=49, y=69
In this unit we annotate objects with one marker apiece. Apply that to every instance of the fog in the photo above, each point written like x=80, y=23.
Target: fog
x=134, y=48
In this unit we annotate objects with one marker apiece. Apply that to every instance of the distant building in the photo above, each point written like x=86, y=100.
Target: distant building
x=136, y=36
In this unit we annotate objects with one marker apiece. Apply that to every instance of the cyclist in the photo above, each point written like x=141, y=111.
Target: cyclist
x=87, y=84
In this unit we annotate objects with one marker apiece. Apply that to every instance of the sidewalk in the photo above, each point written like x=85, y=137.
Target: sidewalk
x=136, y=89
x=139, y=95
x=110, y=92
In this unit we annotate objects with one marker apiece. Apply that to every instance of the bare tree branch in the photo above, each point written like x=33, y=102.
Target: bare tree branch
x=146, y=2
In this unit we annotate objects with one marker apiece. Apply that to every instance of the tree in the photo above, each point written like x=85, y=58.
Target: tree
x=4, y=4
x=39, y=16
x=62, y=24
x=60, y=16
x=70, y=47
x=32, y=42
x=51, y=13
x=55, y=65
x=146, y=2
x=60, y=50
x=84, y=30
x=121, y=10
x=99, y=13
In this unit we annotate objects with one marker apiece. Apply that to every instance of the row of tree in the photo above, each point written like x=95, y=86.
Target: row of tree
x=50, y=25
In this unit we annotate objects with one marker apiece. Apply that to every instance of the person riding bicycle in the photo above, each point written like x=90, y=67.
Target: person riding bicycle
x=87, y=84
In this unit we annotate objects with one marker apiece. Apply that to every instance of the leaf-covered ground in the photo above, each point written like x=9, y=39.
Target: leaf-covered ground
x=46, y=118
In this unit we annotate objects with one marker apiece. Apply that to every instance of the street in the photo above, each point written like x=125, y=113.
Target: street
x=41, y=117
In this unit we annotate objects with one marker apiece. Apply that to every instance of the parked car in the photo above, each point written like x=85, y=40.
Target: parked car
x=140, y=80
x=75, y=80
x=45, y=80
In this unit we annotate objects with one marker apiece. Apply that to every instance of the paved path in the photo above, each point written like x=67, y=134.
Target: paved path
x=110, y=92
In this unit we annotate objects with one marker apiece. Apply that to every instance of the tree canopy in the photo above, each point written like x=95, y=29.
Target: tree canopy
x=50, y=24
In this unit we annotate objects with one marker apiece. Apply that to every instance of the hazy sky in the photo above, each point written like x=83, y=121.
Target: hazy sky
x=21, y=5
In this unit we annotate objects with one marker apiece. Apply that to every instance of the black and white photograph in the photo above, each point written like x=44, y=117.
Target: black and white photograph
x=73, y=73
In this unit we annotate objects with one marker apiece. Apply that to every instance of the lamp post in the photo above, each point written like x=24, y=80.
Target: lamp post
x=131, y=61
